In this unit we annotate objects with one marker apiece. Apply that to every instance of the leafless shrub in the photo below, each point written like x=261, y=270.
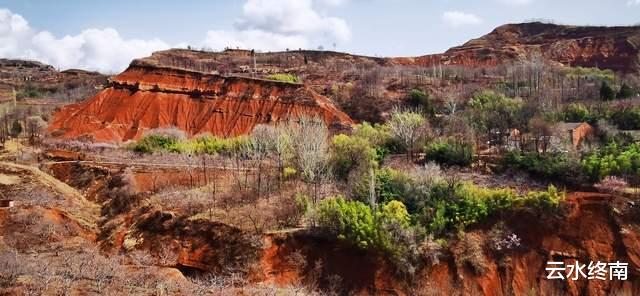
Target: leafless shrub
x=189, y=202
x=141, y=258
x=35, y=127
x=169, y=132
x=431, y=250
x=100, y=269
x=167, y=256
x=428, y=175
x=468, y=252
x=10, y=267
x=334, y=285
x=211, y=284
x=612, y=184
x=289, y=212
x=408, y=127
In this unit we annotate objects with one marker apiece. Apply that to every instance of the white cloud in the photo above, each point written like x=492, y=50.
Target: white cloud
x=633, y=2
x=279, y=24
x=518, y=2
x=93, y=49
x=291, y=17
x=458, y=18
x=263, y=25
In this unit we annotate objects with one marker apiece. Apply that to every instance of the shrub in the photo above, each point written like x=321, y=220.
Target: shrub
x=161, y=139
x=625, y=92
x=469, y=253
x=213, y=145
x=606, y=92
x=432, y=250
x=290, y=78
x=545, y=200
x=351, y=152
x=154, y=143
x=551, y=166
x=379, y=137
x=289, y=172
x=450, y=153
x=613, y=160
x=174, y=142
x=468, y=204
x=355, y=222
x=29, y=92
x=591, y=73
x=578, y=113
x=627, y=118
x=390, y=184
x=388, y=230
x=348, y=220
x=422, y=100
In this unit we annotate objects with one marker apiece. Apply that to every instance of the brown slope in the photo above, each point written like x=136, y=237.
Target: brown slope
x=147, y=97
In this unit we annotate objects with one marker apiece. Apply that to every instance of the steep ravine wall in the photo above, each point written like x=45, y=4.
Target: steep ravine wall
x=593, y=227
x=588, y=227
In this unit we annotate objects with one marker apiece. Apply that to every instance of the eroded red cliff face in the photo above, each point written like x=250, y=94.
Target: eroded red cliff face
x=615, y=48
x=145, y=97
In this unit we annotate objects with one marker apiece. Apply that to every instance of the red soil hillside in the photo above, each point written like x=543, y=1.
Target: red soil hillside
x=146, y=97
x=615, y=48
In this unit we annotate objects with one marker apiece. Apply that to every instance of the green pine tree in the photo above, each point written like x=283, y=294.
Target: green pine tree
x=16, y=129
x=606, y=92
x=625, y=92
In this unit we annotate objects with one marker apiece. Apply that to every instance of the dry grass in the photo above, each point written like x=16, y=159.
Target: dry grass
x=9, y=180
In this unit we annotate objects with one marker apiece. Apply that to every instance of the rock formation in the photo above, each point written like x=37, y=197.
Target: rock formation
x=146, y=97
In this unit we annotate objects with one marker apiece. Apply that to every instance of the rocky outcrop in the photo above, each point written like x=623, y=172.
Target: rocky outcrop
x=615, y=48
x=146, y=97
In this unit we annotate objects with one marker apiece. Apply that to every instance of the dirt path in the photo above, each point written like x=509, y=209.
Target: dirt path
x=143, y=164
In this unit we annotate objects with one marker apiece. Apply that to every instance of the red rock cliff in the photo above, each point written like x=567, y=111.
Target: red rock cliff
x=147, y=97
x=615, y=48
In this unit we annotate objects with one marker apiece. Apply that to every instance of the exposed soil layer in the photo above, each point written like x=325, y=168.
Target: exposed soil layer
x=588, y=227
x=593, y=227
x=143, y=98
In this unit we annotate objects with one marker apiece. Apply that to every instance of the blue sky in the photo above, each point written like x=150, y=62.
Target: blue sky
x=106, y=35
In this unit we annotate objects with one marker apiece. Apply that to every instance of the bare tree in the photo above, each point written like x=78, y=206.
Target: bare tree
x=407, y=126
x=263, y=142
x=310, y=142
x=35, y=125
x=541, y=132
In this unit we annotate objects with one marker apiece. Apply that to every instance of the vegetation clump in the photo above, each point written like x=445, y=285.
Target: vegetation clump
x=450, y=153
x=613, y=160
x=550, y=166
x=290, y=78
